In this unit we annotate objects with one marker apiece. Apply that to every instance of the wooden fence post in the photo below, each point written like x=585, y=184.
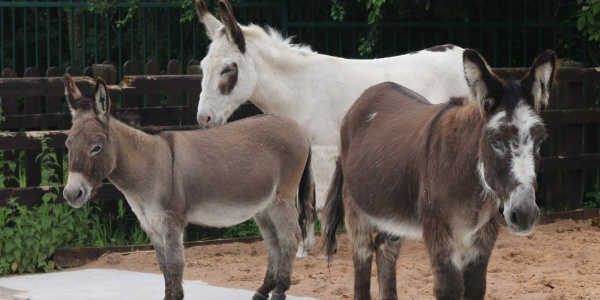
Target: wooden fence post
x=32, y=107
x=73, y=71
x=130, y=68
x=10, y=106
x=193, y=68
x=573, y=136
x=592, y=131
x=54, y=105
x=109, y=74
x=106, y=71
x=174, y=68
x=152, y=68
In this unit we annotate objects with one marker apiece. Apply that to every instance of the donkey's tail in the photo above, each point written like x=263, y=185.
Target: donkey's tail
x=306, y=199
x=334, y=210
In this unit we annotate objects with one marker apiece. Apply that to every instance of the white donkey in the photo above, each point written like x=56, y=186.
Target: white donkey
x=249, y=63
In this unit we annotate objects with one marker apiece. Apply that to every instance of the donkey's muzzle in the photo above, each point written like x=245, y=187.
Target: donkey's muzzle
x=524, y=212
x=77, y=191
x=205, y=120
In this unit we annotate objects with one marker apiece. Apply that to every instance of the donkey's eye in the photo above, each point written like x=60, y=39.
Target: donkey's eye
x=96, y=150
x=497, y=146
x=226, y=70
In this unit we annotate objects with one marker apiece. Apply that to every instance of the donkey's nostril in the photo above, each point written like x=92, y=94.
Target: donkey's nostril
x=513, y=218
x=80, y=193
x=208, y=118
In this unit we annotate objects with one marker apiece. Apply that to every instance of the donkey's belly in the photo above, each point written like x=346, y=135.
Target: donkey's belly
x=227, y=212
x=395, y=227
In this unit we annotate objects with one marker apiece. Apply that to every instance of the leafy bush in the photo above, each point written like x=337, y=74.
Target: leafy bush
x=30, y=235
x=595, y=195
x=588, y=19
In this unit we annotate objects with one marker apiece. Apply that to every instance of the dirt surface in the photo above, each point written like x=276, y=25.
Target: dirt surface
x=559, y=261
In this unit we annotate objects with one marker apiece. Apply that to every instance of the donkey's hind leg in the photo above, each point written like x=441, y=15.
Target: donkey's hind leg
x=475, y=264
x=387, y=254
x=269, y=235
x=360, y=234
x=309, y=243
x=283, y=214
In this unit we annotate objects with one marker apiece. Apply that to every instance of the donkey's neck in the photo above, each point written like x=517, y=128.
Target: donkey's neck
x=142, y=159
x=289, y=83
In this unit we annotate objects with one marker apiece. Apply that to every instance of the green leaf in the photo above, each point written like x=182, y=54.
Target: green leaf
x=585, y=8
x=596, y=9
x=8, y=246
x=46, y=221
x=41, y=257
x=590, y=18
x=580, y=23
x=11, y=165
x=45, y=241
x=47, y=197
x=371, y=17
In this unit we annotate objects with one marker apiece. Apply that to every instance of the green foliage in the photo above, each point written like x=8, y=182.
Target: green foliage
x=374, y=7
x=376, y=11
x=30, y=235
x=588, y=19
x=6, y=176
x=367, y=44
x=595, y=195
x=246, y=229
x=338, y=12
x=101, y=6
x=189, y=11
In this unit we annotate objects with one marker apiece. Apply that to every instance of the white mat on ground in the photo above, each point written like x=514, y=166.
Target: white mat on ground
x=109, y=284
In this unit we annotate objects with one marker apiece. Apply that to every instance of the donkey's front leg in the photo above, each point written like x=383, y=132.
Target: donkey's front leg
x=174, y=258
x=475, y=270
x=448, y=280
x=159, y=248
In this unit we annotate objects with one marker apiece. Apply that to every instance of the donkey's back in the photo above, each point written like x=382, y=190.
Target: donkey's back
x=386, y=131
x=237, y=166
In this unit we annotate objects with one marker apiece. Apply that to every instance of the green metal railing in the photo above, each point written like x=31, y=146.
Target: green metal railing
x=508, y=33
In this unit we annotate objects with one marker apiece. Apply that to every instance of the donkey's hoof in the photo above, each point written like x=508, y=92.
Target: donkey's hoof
x=301, y=253
x=258, y=296
x=277, y=297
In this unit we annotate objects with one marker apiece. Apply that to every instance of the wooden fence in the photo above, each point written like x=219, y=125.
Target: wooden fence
x=33, y=106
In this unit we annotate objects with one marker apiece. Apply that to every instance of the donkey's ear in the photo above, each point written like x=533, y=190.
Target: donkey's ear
x=539, y=80
x=485, y=87
x=234, y=32
x=211, y=24
x=102, y=99
x=74, y=97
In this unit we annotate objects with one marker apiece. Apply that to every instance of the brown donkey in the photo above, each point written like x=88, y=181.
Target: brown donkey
x=215, y=177
x=412, y=170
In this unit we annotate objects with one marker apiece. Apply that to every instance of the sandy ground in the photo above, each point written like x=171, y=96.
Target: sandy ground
x=559, y=261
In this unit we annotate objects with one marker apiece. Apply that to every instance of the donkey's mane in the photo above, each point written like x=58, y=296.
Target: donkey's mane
x=274, y=39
